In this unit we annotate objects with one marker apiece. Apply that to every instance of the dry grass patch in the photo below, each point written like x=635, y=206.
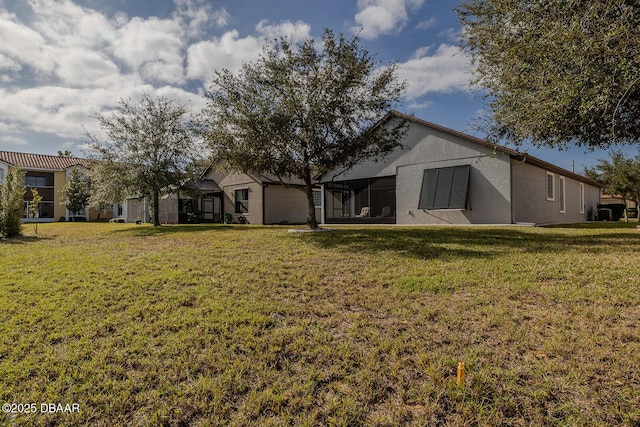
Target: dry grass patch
x=240, y=325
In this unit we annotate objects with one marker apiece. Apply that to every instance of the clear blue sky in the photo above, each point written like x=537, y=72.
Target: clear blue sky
x=61, y=61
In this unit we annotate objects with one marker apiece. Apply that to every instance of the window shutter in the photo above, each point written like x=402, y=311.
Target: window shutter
x=428, y=192
x=445, y=188
x=459, y=186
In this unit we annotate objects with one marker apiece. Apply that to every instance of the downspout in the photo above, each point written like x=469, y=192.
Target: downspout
x=511, y=192
x=264, y=204
x=322, y=208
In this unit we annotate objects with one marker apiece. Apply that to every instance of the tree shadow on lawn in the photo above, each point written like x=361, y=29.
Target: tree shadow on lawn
x=602, y=225
x=149, y=230
x=467, y=242
x=21, y=240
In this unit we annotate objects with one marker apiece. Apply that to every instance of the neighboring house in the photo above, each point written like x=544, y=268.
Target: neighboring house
x=47, y=174
x=617, y=204
x=608, y=199
x=442, y=176
x=616, y=199
x=254, y=198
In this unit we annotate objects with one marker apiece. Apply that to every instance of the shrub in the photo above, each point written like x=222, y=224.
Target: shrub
x=12, y=201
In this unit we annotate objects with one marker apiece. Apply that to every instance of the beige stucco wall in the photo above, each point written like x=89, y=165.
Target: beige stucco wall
x=530, y=203
x=285, y=205
x=104, y=215
x=229, y=183
x=137, y=210
x=488, y=193
x=168, y=209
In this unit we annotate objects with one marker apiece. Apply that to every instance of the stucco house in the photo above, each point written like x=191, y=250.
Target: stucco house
x=47, y=174
x=441, y=176
x=260, y=199
x=245, y=197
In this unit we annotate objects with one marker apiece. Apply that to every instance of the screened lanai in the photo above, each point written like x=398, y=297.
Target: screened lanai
x=370, y=201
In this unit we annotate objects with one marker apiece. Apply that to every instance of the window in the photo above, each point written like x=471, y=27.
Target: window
x=43, y=183
x=445, y=188
x=561, y=194
x=581, y=198
x=317, y=198
x=1, y=175
x=34, y=181
x=39, y=179
x=551, y=196
x=242, y=201
x=45, y=209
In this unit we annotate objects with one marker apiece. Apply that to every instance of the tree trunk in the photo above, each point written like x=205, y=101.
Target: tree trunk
x=156, y=208
x=626, y=216
x=312, y=221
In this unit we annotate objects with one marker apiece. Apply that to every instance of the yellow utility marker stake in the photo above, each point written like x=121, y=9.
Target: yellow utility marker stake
x=460, y=373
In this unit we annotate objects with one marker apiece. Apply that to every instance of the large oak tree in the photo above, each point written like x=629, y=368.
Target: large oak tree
x=557, y=72
x=303, y=110
x=148, y=150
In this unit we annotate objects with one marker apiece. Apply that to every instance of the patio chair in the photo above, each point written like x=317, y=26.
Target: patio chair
x=363, y=213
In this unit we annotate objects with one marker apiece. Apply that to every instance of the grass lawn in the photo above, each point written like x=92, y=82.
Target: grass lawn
x=241, y=325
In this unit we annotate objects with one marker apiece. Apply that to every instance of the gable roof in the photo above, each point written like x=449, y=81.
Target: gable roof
x=40, y=161
x=513, y=153
x=261, y=178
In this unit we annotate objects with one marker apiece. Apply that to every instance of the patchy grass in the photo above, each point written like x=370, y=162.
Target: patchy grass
x=241, y=325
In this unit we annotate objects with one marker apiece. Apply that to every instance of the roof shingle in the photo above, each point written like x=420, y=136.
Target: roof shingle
x=40, y=161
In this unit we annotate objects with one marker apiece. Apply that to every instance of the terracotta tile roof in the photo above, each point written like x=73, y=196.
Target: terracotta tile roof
x=40, y=161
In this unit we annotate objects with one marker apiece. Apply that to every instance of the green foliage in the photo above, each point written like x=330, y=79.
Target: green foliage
x=620, y=175
x=12, y=203
x=557, y=72
x=300, y=110
x=65, y=153
x=149, y=149
x=76, y=192
x=34, y=206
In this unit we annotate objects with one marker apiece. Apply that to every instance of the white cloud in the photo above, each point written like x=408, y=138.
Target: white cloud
x=378, y=17
x=9, y=127
x=425, y=25
x=23, y=44
x=64, y=24
x=228, y=51
x=152, y=46
x=199, y=16
x=9, y=64
x=12, y=140
x=60, y=62
x=446, y=70
x=420, y=105
x=45, y=109
x=80, y=67
x=297, y=31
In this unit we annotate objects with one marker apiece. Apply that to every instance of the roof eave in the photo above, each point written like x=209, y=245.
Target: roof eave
x=513, y=153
